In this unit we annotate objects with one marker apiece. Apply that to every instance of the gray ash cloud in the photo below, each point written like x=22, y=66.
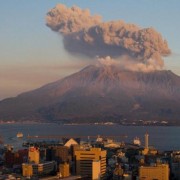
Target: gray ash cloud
x=89, y=35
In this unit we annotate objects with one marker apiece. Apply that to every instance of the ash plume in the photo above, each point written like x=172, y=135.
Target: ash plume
x=88, y=35
x=127, y=63
x=70, y=20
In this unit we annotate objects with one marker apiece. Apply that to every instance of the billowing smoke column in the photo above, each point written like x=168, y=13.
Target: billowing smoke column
x=88, y=35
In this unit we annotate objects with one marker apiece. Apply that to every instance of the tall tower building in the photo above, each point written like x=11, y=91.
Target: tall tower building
x=146, y=141
x=91, y=163
x=33, y=155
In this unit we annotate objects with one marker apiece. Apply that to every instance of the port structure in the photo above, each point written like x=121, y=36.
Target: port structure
x=75, y=136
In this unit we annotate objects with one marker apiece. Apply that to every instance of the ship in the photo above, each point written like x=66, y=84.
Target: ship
x=136, y=141
x=19, y=135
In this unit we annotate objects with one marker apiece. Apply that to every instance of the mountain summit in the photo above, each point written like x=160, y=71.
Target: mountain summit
x=100, y=93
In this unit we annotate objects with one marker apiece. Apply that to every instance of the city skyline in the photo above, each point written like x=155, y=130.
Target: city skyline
x=32, y=55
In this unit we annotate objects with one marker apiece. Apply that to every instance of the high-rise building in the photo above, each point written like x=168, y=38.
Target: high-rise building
x=91, y=163
x=146, y=141
x=146, y=144
x=158, y=171
x=33, y=155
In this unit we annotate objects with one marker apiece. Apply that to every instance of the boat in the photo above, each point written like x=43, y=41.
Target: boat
x=19, y=135
x=136, y=141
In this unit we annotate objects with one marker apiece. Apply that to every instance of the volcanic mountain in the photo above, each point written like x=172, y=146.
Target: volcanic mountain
x=100, y=93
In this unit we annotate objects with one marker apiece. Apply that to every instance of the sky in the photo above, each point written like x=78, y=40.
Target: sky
x=32, y=55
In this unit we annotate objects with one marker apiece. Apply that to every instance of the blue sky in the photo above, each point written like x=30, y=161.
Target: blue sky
x=32, y=55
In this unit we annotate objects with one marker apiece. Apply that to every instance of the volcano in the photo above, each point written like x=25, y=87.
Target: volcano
x=100, y=93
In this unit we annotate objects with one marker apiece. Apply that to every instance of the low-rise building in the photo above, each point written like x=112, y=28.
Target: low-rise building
x=64, y=170
x=32, y=169
x=158, y=171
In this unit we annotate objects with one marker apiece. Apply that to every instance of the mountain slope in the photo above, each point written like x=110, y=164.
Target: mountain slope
x=100, y=93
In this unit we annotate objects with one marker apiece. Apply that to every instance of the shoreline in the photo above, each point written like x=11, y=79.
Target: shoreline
x=85, y=124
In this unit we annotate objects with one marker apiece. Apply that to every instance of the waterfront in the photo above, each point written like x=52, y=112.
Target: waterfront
x=161, y=137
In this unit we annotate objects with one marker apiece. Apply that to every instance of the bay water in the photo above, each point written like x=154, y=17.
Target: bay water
x=160, y=137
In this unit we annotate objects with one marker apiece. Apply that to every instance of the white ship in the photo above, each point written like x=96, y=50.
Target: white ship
x=19, y=135
x=137, y=141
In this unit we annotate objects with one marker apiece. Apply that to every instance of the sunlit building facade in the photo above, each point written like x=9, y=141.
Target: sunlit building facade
x=158, y=172
x=91, y=163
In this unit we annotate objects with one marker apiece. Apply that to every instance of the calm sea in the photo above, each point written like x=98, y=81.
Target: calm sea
x=162, y=138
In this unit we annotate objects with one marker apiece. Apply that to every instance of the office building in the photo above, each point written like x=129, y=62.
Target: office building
x=96, y=169
x=91, y=163
x=158, y=171
x=33, y=169
x=33, y=155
